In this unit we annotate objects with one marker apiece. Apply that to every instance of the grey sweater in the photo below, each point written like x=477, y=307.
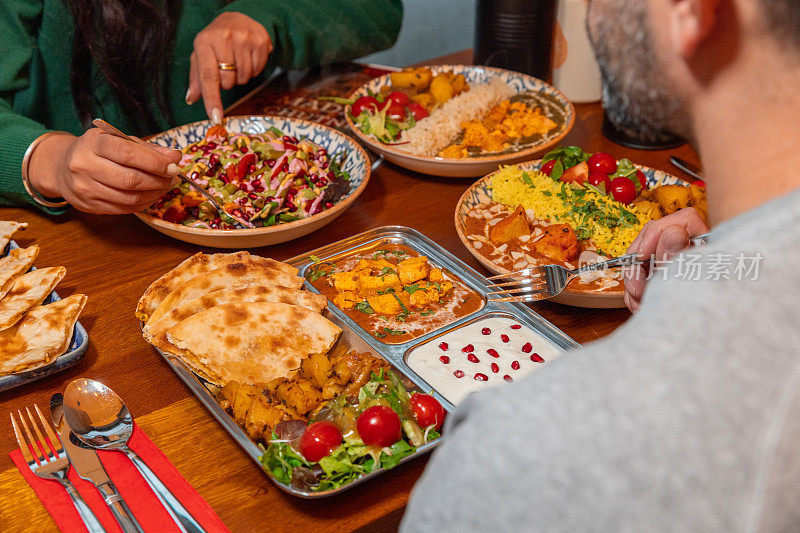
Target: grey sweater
x=687, y=418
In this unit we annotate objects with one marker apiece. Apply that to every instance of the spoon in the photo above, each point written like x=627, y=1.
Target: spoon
x=99, y=418
x=111, y=130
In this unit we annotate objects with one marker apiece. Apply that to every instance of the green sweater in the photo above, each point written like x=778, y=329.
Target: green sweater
x=36, y=35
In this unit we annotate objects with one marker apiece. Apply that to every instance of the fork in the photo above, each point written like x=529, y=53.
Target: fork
x=50, y=461
x=540, y=283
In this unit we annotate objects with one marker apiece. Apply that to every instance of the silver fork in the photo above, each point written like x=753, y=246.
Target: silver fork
x=540, y=283
x=50, y=461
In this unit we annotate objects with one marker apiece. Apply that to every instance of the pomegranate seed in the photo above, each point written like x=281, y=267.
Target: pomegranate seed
x=473, y=358
x=527, y=347
x=536, y=358
x=175, y=191
x=211, y=145
x=504, y=337
x=214, y=226
x=251, y=169
x=324, y=165
x=515, y=365
x=292, y=191
x=331, y=176
x=322, y=182
x=223, y=176
x=493, y=352
x=516, y=326
x=252, y=196
x=443, y=345
x=194, y=175
x=481, y=377
x=495, y=368
x=458, y=374
x=290, y=206
x=159, y=204
x=322, y=151
x=193, y=148
x=444, y=359
x=217, y=220
x=244, y=149
x=242, y=201
x=237, y=212
x=290, y=146
x=260, y=188
x=508, y=378
x=486, y=331
x=328, y=205
x=468, y=348
x=255, y=183
x=270, y=163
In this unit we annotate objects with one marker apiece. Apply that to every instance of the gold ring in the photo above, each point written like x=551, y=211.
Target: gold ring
x=226, y=66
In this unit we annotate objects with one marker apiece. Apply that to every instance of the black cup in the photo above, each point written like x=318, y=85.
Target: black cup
x=659, y=141
x=516, y=35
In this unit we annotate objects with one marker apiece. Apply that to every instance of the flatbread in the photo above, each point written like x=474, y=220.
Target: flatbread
x=192, y=267
x=14, y=264
x=156, y=334
x=28, y=291
x=235, y=275
x=7, y=229
x=251, y=342
x=41, y=336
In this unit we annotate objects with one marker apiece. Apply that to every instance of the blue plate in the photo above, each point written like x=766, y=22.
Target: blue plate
x=77, y=347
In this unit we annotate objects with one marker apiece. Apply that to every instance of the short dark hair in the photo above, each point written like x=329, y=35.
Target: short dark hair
x=783, y=17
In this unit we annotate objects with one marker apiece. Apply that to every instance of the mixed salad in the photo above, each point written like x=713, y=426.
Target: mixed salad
x=266, y=179
x=350, y=438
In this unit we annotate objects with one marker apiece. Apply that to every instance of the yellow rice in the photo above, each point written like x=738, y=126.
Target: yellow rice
x=610, y=230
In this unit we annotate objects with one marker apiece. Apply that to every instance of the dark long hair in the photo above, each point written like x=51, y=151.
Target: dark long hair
x=132, y=44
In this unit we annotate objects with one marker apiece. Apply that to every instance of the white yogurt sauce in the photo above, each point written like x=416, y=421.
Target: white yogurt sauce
x=495, y=348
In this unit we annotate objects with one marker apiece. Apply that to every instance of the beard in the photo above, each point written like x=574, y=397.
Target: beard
x=635, y=94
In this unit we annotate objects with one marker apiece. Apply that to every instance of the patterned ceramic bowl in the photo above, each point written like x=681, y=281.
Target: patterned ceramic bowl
x=356, y=163
x=555, y=105
x=481, y=192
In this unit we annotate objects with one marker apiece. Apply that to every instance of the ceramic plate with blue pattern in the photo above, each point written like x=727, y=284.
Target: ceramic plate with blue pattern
x=481, y=193
x=356, y=163
x=75, y=351
x=553, y=103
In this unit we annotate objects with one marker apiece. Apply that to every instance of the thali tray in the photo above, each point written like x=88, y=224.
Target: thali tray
x=75, y=352
x=355, y=337
x=396, y=353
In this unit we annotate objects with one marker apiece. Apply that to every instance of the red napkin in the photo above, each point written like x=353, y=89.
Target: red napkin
x=141, y=500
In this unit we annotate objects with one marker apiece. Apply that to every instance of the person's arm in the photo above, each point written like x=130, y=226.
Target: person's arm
x=310, y=32
x=17, y=26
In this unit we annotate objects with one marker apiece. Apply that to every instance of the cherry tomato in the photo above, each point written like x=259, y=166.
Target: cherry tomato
x=600, y=180
x=603, y=162
x=395, y=110
x=699, y=183
x=427, y=411
x=319, y=440
x=379, y=426
x=642, y=178
x=399, y=97
x=547, y=168
x=417, y=110
x=623, y=190
x=363, y=103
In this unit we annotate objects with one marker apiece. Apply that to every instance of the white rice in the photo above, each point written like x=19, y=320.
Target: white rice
x=434, y=133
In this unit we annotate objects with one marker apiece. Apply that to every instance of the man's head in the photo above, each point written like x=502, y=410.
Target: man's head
x=656, y=56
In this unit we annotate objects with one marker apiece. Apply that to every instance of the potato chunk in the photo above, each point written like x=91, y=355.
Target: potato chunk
x=417, y=78
x=371, y=284
x=345, y=300
x=513, y=226
x=441, y=88
x=344, y=281
x=385, y=304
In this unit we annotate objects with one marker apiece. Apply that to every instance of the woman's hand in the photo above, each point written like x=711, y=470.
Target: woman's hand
x=230, y=38
x=101, y=173
x=659, y=239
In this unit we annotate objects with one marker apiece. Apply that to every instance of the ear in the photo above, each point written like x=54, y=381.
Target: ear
x=692, y=22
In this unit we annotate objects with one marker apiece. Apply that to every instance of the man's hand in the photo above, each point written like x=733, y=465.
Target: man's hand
x=101, y=173
x=230, y=38
x=659, y=239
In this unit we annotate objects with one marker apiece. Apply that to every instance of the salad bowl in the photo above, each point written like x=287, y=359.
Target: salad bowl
x=355, y=163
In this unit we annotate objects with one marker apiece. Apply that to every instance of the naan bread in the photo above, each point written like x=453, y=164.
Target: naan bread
x=251, y=342
x=198, y=264
x=233, y=276
x=7, y=229
x=28, y=291
x=157, y=333
x=15, y=263
x=41, y=336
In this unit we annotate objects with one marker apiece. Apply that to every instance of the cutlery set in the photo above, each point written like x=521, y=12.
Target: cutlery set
x=89, y=417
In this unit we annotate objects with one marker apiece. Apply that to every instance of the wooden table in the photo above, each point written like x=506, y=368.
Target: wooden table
x=113, y=260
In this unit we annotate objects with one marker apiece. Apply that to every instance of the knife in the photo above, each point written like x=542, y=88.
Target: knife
x=687, y=167
x=88, y=466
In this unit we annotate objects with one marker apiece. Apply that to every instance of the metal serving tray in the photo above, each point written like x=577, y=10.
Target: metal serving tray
x=77, y=347
x=396, y=353
x=197, y=386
